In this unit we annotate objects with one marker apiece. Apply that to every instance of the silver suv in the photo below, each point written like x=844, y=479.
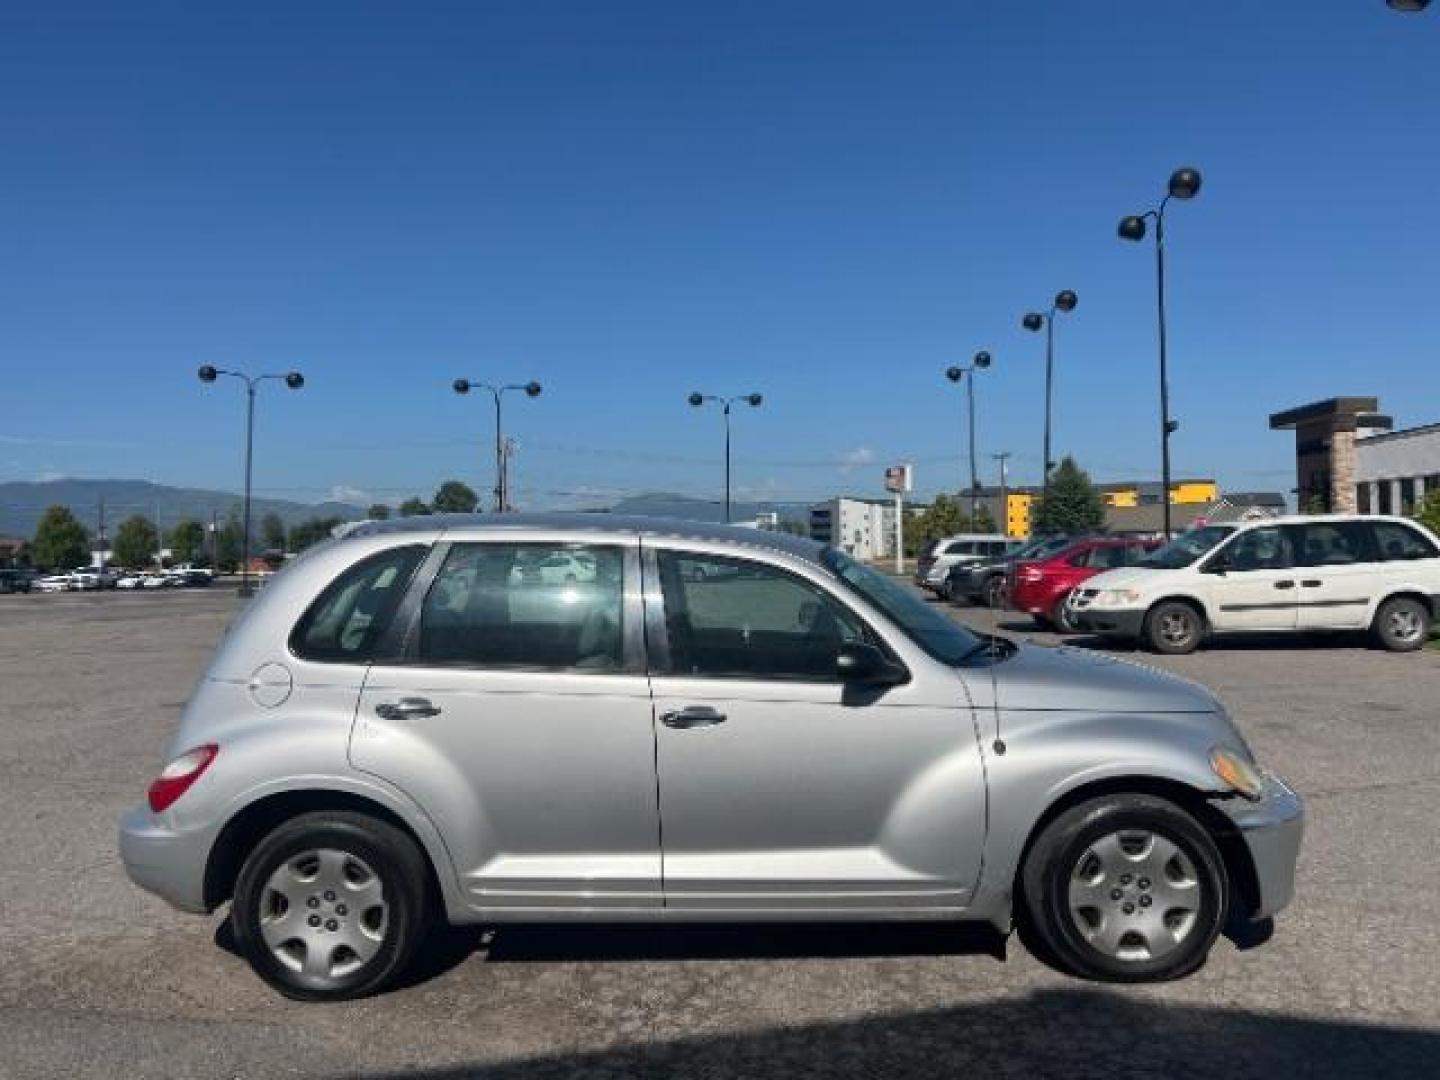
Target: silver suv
x=421, y=721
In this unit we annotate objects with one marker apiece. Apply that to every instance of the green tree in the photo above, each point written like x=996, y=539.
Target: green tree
x=1428, y=512
x=983, y=522
x=414, y=507
x=378, y=512
x=229, y=542
x=941, y=518
x=1073, y=504
x=136, y=541
x=272, y=532
x=455, y=497
x=187, y=541
x=311, y=531
x=60, y=540
x=1315, y=503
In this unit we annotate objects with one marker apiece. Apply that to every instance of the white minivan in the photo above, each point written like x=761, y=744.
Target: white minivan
x=1325, y=572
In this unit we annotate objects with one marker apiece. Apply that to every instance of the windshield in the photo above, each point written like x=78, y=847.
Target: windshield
x=1043, y=547
x=1186, y=548
x=941, y=637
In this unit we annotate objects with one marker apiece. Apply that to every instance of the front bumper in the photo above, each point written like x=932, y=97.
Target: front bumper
x=1113, y=622
x=160, y=860
x=1271, y=829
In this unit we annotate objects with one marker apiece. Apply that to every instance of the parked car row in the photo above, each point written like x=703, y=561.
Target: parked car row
x=1303, y=573
x=93, y=579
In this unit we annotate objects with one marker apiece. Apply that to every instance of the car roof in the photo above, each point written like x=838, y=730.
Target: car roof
x=457, y=526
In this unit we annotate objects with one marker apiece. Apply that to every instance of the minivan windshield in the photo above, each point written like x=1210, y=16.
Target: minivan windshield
x=1186, y=548
x=943, y=638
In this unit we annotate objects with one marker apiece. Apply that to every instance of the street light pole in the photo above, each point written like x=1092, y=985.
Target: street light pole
x=1003, y=458
x=1065, y=300
x=532, y=389
x=955, y=375
x=1184, y=184
x=294, y=380
x=753, y=400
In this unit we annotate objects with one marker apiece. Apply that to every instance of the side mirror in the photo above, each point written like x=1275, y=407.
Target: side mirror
x=1218, y=564
x=859, y=663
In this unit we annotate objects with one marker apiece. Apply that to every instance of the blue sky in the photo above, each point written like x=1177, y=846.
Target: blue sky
x=825, y=202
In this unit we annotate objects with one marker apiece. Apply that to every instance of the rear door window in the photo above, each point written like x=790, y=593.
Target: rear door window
x=1331, y=543
x=545, y=607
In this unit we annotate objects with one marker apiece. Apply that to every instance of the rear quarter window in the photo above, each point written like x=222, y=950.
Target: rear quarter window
x=1396, y=542
x=347, y=619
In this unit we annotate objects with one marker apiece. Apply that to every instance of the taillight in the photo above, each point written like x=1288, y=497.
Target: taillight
x=175, y=779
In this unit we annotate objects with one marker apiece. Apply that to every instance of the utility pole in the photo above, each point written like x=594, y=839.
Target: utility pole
x=1003, y=458
x=508, y=456
x=100, y=536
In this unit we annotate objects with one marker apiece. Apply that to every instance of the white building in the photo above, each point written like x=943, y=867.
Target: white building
x=1394, y=470
x=864, y=528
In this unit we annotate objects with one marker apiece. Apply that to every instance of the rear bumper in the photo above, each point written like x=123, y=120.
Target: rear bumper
x=1272, y=829
x=1119, y=623
x=160, y=860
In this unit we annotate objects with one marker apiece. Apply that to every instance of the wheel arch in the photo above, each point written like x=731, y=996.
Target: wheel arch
x=252, y=823
x=1406, y=592
x=1239, y=866
x=1188, y=599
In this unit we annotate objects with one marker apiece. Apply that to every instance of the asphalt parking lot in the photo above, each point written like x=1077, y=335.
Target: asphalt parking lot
x=99, y=979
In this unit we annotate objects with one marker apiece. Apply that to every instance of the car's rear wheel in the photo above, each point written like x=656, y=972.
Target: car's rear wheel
x=1401, y=624
x=996, y=592
x=331, y=906
x=1174, y=628
x=1126, y=888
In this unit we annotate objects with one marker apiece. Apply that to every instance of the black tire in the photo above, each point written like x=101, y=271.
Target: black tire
x=1042, y=622
x=1401, y=624
x=995, y=591
x=403, y=875
x=1061, y=618
x=1174, y=628
x=946, y=590
x=1063, y=851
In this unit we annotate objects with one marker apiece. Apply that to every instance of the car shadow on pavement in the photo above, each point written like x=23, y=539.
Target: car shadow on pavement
x=756, y=941
x=1070, y=1033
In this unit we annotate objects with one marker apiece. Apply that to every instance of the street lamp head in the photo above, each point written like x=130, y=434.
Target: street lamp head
x=207, y=373
x=294, y=380
x=955, y=374
x=532, y=389
x=1408, y=5
x=1132, y=228
x=462, y=386
x=1033, y=321
x=982, y=359
x=1185, y=183
x=1065, y=300
x=754, y=400
x=696, y=399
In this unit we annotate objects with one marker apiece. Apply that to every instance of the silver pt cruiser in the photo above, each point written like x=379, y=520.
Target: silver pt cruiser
x=594, y=718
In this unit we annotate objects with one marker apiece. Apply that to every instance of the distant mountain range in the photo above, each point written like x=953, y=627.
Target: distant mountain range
x=662, y=504
x=22, y=503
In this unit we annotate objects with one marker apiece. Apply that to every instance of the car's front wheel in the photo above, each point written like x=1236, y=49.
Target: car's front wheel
x=1126, y=888
x=1174, y=628
x=996, y=592
x=331, y=906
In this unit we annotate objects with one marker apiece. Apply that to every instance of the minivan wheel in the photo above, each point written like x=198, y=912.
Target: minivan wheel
x=331, y=906
x=1401, y=624
x=1126, y=888
x=1174, y=628
x=995, y=591
x=1061, y=617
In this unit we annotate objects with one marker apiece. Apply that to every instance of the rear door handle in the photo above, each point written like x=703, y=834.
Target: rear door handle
x=1284, y=584
x=692, y=716
x=410, y=708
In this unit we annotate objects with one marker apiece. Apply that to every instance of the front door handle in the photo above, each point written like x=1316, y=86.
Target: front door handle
x=410, y=708
x=692, y=716
x=1312, y=583
x=1284, y=584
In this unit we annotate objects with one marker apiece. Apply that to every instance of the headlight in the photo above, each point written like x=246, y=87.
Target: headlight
x=1116, y=597
x=1237, y=771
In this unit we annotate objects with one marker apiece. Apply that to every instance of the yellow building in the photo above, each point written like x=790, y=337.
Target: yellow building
x=1020, y=502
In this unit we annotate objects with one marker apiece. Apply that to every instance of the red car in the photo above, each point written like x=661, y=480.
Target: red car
x=1040, y=587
